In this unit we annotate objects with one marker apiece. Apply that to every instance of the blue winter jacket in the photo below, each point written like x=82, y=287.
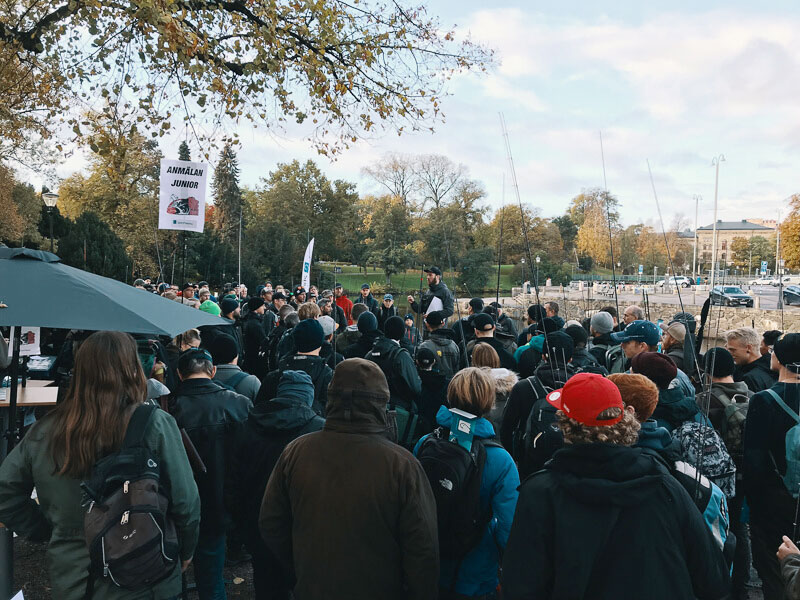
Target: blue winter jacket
x=478, y=572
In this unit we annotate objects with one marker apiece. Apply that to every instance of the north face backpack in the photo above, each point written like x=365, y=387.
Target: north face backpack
x=710, y=501
x=792, y=440
x=542, y=436
x=701, y=446
x=455, y=476
x=615, y=359
x=130, y=538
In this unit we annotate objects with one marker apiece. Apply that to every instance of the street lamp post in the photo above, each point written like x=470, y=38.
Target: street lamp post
x=538, y=260
x=50, y=200
x=697, y=198
x=715, y=163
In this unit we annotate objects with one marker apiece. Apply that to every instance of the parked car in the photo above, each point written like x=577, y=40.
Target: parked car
x=730, y=295
x=791, y=295
x=684, y=282
x=763, y=281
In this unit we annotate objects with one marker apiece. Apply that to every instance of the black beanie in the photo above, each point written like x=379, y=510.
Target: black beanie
x=721, y=361
x=367, y=322
x=308, y=335
x=223, y=349
x=394, y=328
x=255, y=303
x=578, y=334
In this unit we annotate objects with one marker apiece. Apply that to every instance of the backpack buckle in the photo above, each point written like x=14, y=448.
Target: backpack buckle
x=125, y=517
x=125, y=487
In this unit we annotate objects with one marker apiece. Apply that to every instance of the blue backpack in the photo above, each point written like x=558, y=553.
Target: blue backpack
x=792, y=478
x=710, y=500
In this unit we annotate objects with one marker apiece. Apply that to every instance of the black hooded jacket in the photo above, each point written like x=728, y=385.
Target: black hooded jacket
x=315, y=366
x=609, y=522
x=270, y=427
x=362, y=345
x=399, y=369
x=437, y=290
x=370, y=301
x=254, y=337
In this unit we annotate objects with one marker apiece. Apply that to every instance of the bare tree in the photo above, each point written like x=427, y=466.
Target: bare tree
x=437, y=177
x=395, y=172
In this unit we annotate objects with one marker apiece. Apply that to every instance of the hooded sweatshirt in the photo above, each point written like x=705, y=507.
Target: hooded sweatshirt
x=477, y=574
x=674, y=408
x=347, y=510
x=504, y=382
x=606, y=522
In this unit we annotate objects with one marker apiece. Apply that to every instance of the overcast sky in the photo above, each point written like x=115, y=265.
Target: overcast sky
x=675, y=85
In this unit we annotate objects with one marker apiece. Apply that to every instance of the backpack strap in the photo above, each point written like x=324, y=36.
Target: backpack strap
x=137, y=426
x=236, y=379
x=783, y=405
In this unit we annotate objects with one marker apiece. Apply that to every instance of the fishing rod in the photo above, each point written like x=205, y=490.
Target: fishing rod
x=707, y=391
x=419, y=318
x=500, y=241
x=608, y=220
x=455, y=301
x=519, y=201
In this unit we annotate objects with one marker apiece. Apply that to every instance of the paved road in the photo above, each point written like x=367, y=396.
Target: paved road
x=768, y=297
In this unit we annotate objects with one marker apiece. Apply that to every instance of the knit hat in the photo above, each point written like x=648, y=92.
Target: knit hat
x=223, y=349
x=394, y=328
x=787, y=350
x=255, y=303
x=550, y=325
x=434, y=318
x=658, y=368
x=210, y=307
x=602, y=323
x=328, y=325
x=425, y=357
x=476, y=304
x=228, y=305
x=559, y=347
x=578, y=334
x=367, y=322
x=308, y=335
x=409, y=316
x=719, y=362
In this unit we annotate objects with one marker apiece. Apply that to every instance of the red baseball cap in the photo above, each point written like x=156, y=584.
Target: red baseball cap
x=585, y=396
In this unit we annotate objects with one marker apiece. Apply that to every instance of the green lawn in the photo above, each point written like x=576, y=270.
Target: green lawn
x=352, y=279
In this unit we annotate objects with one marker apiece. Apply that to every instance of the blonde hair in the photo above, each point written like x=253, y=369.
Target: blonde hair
x=308, y=310
x=483, y=355
x=472, y=390
x=623, y=433
x=746, y=335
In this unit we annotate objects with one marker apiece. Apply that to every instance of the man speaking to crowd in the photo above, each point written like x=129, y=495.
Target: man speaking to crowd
x=438, y=297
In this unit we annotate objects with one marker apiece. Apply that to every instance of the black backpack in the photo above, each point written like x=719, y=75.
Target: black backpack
x=131, y=539
x=455, y=476
x=542, y=436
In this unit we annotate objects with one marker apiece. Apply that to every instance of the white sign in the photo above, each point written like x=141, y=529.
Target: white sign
x=305, y=278
x=436, y=304
x=29, y=341
x=182, y=201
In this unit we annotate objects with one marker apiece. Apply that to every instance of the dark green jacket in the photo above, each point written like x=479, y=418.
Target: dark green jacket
x=58, y=516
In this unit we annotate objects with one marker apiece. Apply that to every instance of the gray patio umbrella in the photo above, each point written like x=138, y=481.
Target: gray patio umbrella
x=39, y=291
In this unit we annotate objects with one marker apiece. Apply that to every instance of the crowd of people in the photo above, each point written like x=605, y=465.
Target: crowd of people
x=349, y=451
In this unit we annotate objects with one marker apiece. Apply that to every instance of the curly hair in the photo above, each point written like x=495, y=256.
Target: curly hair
x=624, y=433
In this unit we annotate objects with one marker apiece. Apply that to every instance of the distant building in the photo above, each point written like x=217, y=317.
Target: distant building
x=727, y=231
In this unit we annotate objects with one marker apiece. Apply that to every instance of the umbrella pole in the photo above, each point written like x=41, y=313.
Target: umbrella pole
x=6, y=536
x=11, y=430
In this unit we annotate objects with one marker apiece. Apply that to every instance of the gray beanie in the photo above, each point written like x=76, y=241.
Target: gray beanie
x=602, y=323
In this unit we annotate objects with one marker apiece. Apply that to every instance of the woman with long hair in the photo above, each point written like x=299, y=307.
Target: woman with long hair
x=107, y=386
x=486, y=357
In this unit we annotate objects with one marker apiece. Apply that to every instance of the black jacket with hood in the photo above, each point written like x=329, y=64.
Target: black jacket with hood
x=316, y=367
x=254, y=338
x=370, y=301
x=609, y=522
x=362, y=345
x=437, y=290
x=272, y=424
